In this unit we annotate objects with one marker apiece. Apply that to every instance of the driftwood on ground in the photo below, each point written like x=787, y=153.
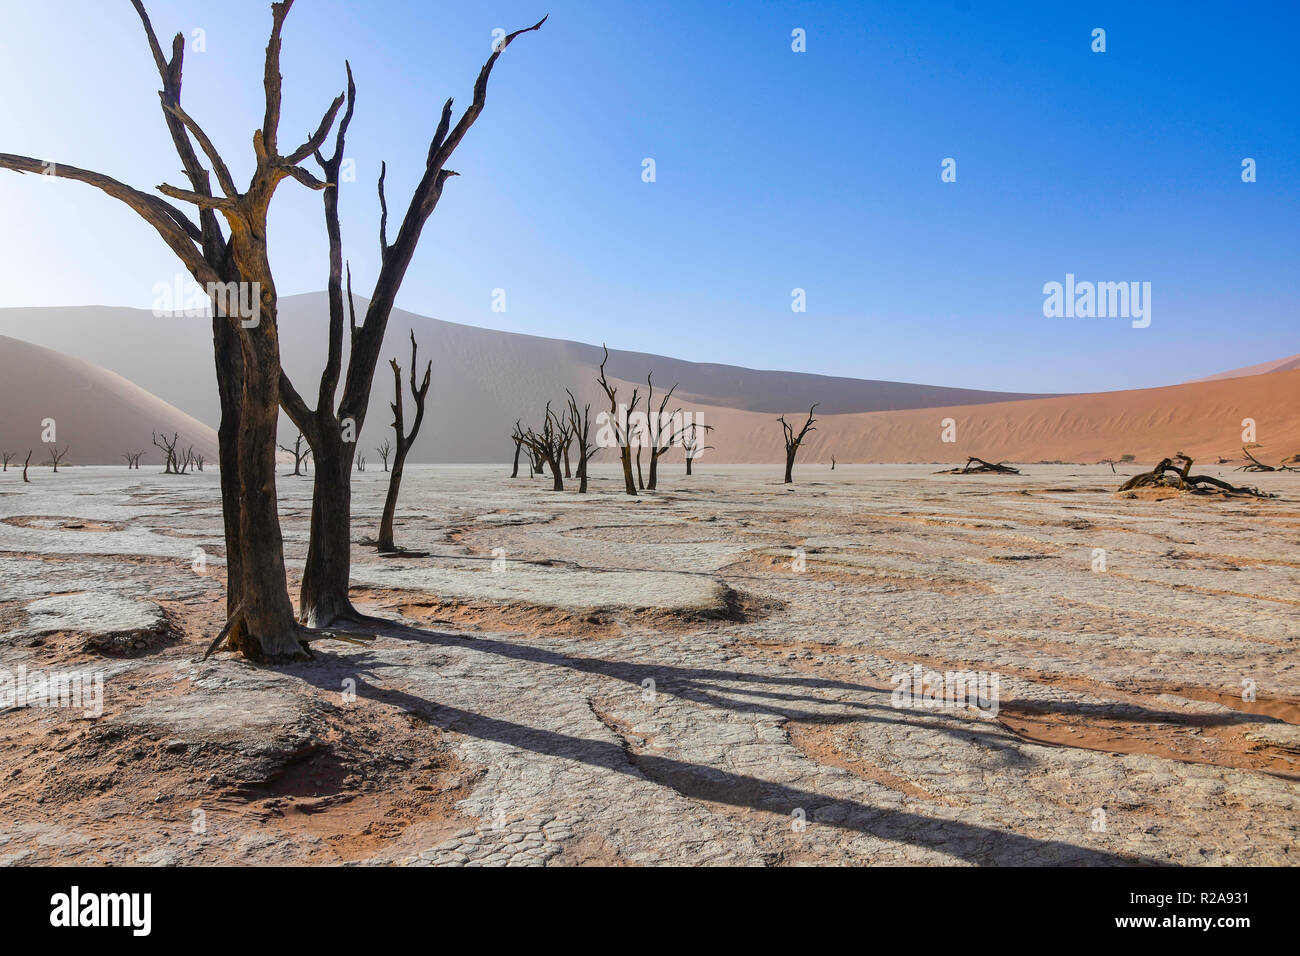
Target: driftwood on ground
x=1167, y=474
x=978, y=466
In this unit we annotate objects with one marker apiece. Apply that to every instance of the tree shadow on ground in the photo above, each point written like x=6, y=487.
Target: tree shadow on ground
x=969, y=842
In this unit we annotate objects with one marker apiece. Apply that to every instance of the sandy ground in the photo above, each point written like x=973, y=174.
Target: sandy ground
x=698, y=676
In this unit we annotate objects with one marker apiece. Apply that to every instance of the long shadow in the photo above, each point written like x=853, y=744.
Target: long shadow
x=973, y=843
x=691, y=684
x=990, y=845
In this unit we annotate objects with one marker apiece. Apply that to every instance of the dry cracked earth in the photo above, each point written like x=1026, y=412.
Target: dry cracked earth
x=699, y=676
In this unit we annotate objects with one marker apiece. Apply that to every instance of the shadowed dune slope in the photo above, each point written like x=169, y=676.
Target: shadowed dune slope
x=97, y=413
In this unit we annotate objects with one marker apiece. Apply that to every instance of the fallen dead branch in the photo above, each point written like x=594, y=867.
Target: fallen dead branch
x=1257, y=465
x=978, y=466
x=1168, y=474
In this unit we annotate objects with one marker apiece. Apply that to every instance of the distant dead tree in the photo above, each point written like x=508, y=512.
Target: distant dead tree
x=793, y=441
x=517, y=436
x=663, y=430
x=299, y=454
x=361, y=465
x=133, y=459
x=383, y=450
x=549, y=444
x=691, y=443
x=56, y=456
x=404, y=440
x=167, y=446
x=8, y=457
x=198, y=459
x=334, y=428
x=832, y=462
x=580, y=436
x=620, y=424
x=27, y=462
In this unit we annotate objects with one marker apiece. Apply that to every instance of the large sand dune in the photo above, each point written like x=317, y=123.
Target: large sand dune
x=98, y=414
x=1202, y=419
x=483, y=380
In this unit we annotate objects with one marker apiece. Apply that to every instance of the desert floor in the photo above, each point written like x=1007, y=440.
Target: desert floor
x=610, y=680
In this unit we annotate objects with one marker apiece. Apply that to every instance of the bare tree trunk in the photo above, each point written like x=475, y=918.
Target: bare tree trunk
x=514, y=472
x=323, y=597
x=688, y=464
x=404, y=442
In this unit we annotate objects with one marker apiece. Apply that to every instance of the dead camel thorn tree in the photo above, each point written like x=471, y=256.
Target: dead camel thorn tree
x=246, y=345
x=56, y=456
x=333, y=427
x=1257, y=465
x=383, y=450
x=619, y=425
x=549, y=444
x=1168, y=474
x=299, y=455
x=404, y=440
x=8, y=457
x=691, y=443
x=133, y=459
x=661, y=430
x=793, y=441
x=27, y=462
x=580, y=434
x=517, y=436
x=174, y=460
x=978, y=466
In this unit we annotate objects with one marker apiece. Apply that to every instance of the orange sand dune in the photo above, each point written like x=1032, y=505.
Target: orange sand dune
x=1203, y=419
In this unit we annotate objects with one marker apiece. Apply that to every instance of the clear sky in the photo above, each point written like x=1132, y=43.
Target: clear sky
x=775, y=170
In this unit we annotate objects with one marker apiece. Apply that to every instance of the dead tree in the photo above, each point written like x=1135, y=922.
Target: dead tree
x=978, y=466
x=691, y=443
x=334, y=429
x=793, y=441
x=1257, y=465
x=518, y=438
x=383, y=450
x=361, y=464
x=619, y=424
x=661, y=430
x=27, y=462
x=299, y=454
x=832, y=462
x=132, y=459
x=580, y=437
x=549, y=444
x=56, y=456
x=171, y=459
x=8, y=457
x=198, y=459
x=404, y=440
x=260, y=620
x=1168, y=474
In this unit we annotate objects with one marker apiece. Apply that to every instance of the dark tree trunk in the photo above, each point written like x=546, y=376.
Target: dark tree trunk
x=324, y=594
x=514, y=472
x=654, y=471
x=390, y=502
x=688, y=465
x=789, y=468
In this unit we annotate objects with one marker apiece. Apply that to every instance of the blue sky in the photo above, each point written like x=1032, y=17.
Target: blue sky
x=775, y=170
